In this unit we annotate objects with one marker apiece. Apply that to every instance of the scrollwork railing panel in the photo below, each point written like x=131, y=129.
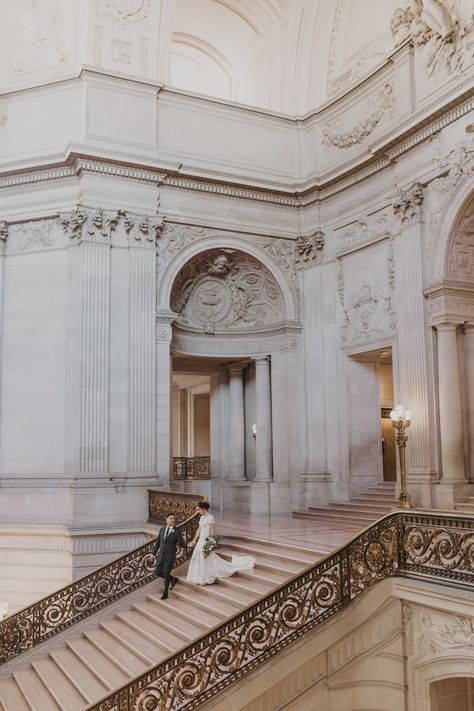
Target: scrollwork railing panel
x=73, y=603
x=211, y=663
x=160, y=504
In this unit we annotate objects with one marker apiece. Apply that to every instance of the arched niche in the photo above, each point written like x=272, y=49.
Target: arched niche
x=459, y=254
x=228, y=303
x=225, y=291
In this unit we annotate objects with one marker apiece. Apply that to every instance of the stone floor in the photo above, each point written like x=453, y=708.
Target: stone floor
x=318, y=536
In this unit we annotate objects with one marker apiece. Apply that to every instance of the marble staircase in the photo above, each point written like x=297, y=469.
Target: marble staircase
x=84, y=663
x=360, y=511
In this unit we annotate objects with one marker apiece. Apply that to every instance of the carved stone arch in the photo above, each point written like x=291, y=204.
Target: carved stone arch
x=450, y=235
x=226, y=290
x=225, y=245
x=459, y=253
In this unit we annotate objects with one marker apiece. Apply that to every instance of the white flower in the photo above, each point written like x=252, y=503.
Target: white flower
x=3, y=609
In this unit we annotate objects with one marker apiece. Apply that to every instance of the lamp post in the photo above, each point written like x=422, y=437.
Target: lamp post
x=401, y=420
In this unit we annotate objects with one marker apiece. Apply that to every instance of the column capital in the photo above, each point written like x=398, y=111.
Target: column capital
x=406, y=205
x=447, y=326
x=236, y=368
x=261, y=360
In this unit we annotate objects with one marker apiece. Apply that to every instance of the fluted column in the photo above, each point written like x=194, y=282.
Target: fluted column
x=469, y=360
x=450, y=405
x=143, y=232
x=414, y=388
x=263, y=407
x=236, y=421
x=88, y=315
x=164, y=322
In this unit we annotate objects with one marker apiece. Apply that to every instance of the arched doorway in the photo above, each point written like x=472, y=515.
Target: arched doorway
x=231, y=344
x=452, y=318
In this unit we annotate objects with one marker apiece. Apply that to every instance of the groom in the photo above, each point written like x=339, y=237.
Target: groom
x=169, y=538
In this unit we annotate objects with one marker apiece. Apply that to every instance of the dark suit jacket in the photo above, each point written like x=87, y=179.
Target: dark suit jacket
x=165, y=550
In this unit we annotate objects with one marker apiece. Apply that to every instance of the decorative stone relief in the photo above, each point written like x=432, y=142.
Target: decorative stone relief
x=460, y=261
x=361, y=65
x=459, y=164
x=338, y=135
x=309, y=250
x=435, y=632
x=38, y=34
x=406, y=205
x=91, y=225
x=125, y=12
x=363, y=231
x=368, y=313
x=174, y=238
x=143, y=230
x=3, y=231
x=283, y=252
x=122, y=52
x=35, y=234
x=438, y=28
x=222, y=290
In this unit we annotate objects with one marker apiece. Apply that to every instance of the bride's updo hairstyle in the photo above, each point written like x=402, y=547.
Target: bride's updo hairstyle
x=203, y=505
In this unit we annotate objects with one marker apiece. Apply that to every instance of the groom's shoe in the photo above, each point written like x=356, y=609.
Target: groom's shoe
x=173, y=582
x=164, y=596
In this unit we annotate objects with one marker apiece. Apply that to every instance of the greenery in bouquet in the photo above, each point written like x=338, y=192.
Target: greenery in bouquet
x=210, y=545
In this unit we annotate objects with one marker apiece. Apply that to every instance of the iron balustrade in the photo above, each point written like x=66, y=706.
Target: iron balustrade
x=191, y=468
x=428, y=546
x=62, y=609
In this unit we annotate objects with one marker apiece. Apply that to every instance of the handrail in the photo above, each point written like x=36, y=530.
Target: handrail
x=56, y=612
x=430, y=546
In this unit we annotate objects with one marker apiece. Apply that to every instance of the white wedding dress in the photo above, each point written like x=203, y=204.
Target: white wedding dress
x=203, y=571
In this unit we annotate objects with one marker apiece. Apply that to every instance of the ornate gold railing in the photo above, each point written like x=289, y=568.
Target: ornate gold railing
x=191, y=468
x=409, y=544
x=56, y=612
x=160, y=504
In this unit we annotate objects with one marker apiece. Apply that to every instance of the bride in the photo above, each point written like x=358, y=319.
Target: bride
x=205, y=570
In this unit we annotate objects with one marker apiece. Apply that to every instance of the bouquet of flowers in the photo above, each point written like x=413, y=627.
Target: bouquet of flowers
x=210, y=545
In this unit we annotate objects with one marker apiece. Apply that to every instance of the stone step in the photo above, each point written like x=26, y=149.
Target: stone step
x=85, y=663
x=343, y=514
x=11, y=696
x=97, y=662
x=85, y=681
x=35, y=692
x=332, y=518
x=59, y=685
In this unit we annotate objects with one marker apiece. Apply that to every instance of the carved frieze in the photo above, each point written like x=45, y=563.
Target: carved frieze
x=437, y=632
x=144, y=230
x=337, y=134
x=35, y=234
x=221, y=290
x=3, y=231
x=406, y=205
x=93, y=225
x=438, y=28
x=309, y=250
x=363, y=231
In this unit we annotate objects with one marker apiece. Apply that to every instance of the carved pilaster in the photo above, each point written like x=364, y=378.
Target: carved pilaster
x=414, y=364
x=88, y=317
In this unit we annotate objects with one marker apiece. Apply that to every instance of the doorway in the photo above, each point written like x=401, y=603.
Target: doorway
x=372, y=440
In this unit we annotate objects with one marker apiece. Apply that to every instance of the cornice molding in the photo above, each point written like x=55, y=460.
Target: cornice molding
x=413, y=131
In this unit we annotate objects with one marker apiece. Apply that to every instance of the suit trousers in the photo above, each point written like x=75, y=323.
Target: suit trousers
x=163, y=570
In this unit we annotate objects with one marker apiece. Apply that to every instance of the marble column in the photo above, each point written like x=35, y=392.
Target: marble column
x=450, y=405
x=236, y=421
x=263, y=407
x=469, y=360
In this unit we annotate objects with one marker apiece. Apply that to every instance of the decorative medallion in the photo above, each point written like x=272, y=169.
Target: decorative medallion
x=223, y=290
